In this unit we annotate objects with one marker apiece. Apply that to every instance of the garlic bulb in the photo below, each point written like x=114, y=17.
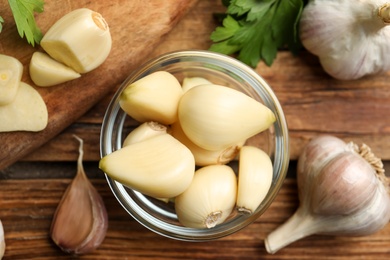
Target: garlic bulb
x=2, y=241
x=342, y=191
x=209, y=199
x=160, y=166
x=351, y=38
x=254, y=178
x=80, y=221
x=215, y=117
x=204, y=157
x=144, y=131
x=154, y=97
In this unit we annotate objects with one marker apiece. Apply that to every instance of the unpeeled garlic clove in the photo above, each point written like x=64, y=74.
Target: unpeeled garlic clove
x=160, y=167
x=254, y=178
x=2, y=241
x=46, y=72
x=204, y=157
x=215, y=117
x=11, y=70
x=145, y=131
x=81, y=39
x=210, y=198
x=154, y=97
x=80, y=222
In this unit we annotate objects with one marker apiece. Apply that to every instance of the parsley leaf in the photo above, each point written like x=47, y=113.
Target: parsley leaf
x=256, y=29
x=23, y=12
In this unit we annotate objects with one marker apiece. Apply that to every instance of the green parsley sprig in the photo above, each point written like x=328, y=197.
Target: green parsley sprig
x=23, y=12
x=256, y=29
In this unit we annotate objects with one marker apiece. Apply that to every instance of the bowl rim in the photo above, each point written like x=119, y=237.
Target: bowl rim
x=170, y=230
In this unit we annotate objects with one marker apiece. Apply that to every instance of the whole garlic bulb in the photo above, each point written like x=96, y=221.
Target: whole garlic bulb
x=351, y=38
x=342, y=191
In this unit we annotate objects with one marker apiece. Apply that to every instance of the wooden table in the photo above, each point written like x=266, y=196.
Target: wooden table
x=313, y=104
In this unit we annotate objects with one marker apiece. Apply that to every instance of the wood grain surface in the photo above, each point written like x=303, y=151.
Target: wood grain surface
x=314, y=103
x=136, y=28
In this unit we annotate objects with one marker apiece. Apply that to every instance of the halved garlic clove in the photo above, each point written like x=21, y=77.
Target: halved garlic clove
x=11, y=70
x=27, y=112
x=145, y=131
x=2, y=241
x=204, y=157
x=80, y=221
x=255, y=173
x=80, y=39
x=189, y=83
x=160, y=167
x=215, y=117
x=154, y=97
x=210, y=198
x=46, y=72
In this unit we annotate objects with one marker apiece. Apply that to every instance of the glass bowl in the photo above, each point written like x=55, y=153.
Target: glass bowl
x=160, y=216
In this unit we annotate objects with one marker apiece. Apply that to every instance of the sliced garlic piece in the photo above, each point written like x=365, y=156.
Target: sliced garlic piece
x=28, y=111
x=145, y=131
x=154, y=97
x=160, y=166
x=189, y=83
x=11, y=70
x=254, y=178
x=210, y=198
x=204, y=157
x=46, y=72
x=80, y=39
x=215, y=117
x=2, y=241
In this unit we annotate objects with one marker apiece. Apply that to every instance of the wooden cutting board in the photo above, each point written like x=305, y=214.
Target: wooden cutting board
x=136, y=26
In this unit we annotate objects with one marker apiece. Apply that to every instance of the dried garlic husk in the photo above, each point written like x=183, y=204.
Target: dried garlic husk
x=80, y=222
x=2, y=241
x=215, y=117
x=209, y=199
x=342, y=191
x=204, y=157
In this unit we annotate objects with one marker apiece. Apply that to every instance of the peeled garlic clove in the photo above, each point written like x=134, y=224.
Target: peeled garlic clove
x=145, y=131
x=202, y=156
x=160, y=166
x=209, y=199
x=11, y=70
x=154, y=97
x=2, y=241
x=189, y=83
x=27, y=112
x=80, y=222
x=254, y=178
x=46, y=72
x=215, y=117
x=80, y=39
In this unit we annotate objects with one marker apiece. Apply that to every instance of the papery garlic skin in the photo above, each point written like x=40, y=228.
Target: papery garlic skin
x=255, y=174
x=154, y=97
x=80, y=221
x=215, y=117
x=80, y=39
x=160, y=167
x=2, y=240
x=344, y=192
x=350, y=38
x=210, y=198
x=145, y=131
x=204, y=157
